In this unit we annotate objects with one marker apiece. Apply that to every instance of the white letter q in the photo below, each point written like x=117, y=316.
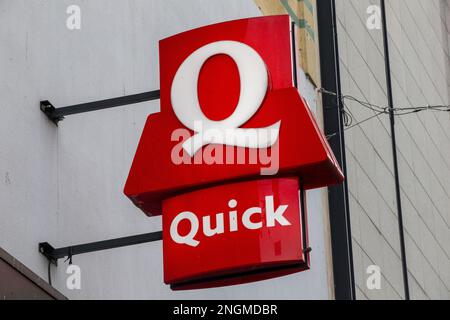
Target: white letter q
x=254, y=82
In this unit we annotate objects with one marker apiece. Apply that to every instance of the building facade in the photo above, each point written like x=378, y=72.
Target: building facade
x=418, y=47
x=64, y=184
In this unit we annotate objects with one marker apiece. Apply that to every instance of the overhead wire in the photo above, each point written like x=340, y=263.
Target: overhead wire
x=349, y=118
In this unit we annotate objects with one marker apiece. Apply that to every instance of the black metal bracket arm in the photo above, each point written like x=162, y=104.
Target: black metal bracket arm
x=53, y=255
x=57, y=114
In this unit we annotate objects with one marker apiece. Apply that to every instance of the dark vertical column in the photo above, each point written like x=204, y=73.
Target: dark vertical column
x=333, y=119
x=394, y=149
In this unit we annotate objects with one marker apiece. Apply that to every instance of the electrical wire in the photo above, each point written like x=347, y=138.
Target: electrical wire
x=348, y=117
x=49, y=273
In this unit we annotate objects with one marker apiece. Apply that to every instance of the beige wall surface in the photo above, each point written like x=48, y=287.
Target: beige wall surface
x=304, y=14
x=419, y=49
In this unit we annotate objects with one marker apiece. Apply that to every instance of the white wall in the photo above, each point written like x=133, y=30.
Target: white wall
x=64, y=185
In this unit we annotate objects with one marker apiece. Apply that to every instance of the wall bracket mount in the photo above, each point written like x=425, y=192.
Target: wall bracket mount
x=58, y=114
x=53, y=255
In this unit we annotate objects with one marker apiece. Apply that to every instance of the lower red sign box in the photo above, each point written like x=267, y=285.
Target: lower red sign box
x=235, y=233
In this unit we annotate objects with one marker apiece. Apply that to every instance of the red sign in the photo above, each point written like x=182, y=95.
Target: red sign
x=216, y=233
x=230, y=117
x=302, y=149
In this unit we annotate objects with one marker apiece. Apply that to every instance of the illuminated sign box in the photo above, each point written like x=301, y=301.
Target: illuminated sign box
x=235, y=233
x=232, y=126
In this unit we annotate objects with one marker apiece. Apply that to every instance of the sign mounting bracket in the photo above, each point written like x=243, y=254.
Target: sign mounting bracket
x=53, y=255
x=57, y=114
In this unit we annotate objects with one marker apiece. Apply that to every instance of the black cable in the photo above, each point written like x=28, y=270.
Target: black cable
x=355, y=125
x=379, y=110
x=389, y=92
x=49, y=273
x=385, y=109
x=361, y=122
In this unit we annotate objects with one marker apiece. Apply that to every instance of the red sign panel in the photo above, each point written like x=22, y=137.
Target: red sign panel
x=209, y=59
x=214, y=236
x=224, y=159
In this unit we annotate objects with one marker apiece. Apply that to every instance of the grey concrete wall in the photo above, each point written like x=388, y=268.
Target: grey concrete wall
x=419, y=49
x=64, y=185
